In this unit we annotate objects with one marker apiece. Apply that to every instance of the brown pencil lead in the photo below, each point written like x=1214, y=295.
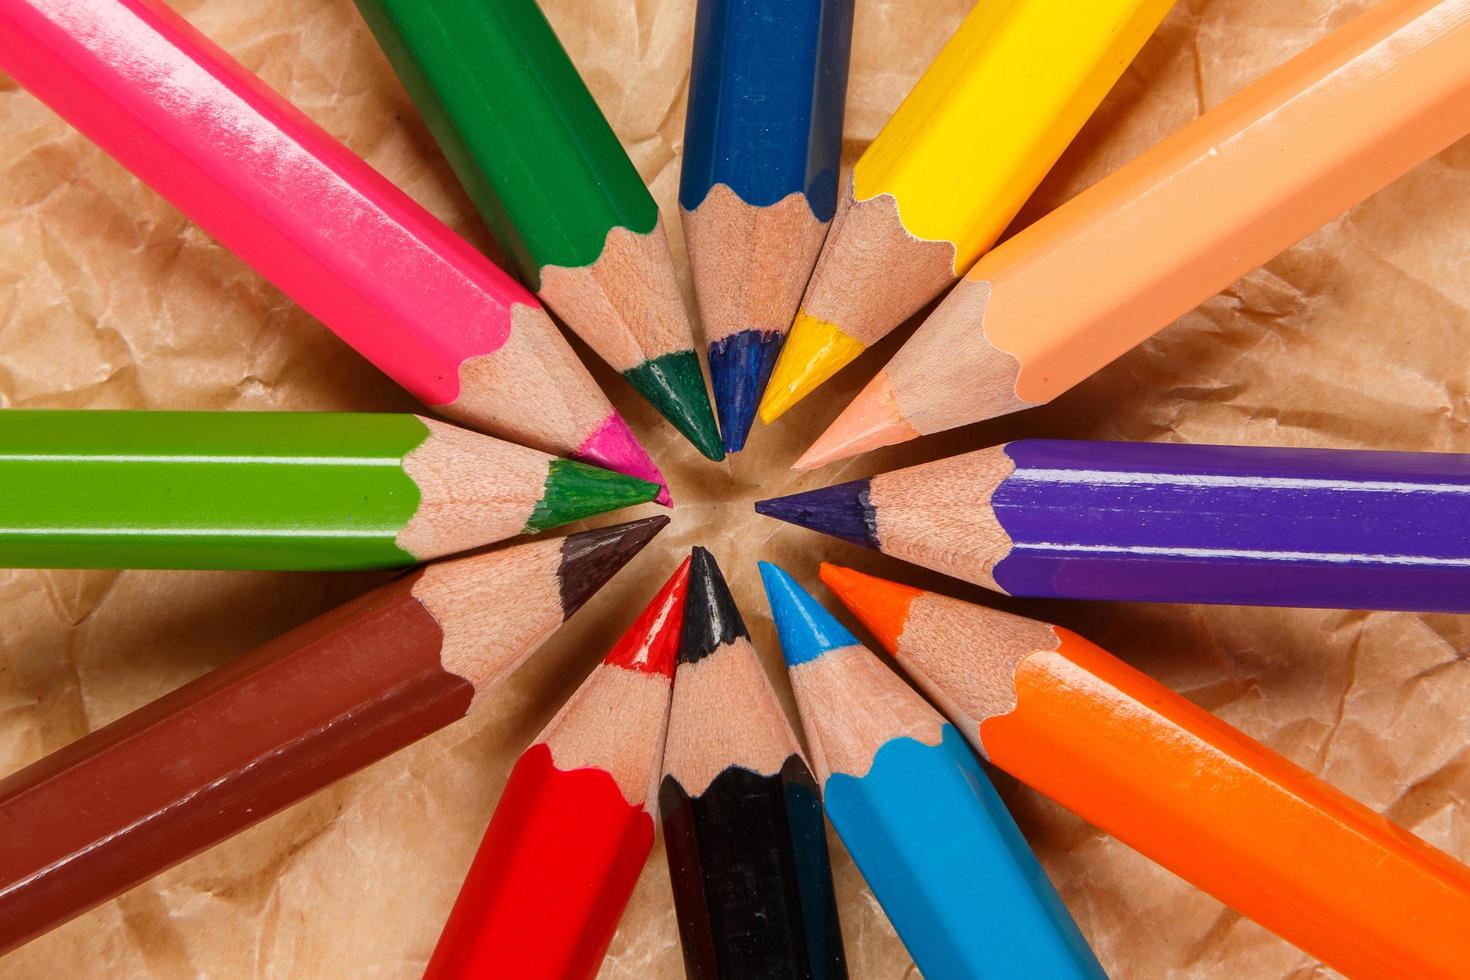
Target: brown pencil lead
x=590, y=558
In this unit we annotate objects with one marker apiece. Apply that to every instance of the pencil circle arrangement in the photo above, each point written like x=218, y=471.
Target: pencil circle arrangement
x=1087, y=600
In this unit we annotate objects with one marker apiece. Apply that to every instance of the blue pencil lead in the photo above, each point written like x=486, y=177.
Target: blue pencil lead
x=807, y=630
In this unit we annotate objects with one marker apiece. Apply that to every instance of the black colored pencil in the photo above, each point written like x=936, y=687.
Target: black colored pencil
x=742, y=816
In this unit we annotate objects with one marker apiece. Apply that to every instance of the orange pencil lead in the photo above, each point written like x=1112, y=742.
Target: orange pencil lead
x=883, y=606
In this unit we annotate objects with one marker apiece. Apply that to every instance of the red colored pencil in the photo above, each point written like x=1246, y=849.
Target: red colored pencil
x=575, y=824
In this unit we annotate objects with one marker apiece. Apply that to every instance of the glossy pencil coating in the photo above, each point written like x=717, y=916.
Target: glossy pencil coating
x=356, y=684
x=945, y=176
x=742, y=816
x=574, y=824
x=1160, y=522
x=547, y=173
x=762, y=148
x=1201, y=798
x=1140, y=248
x=917, y=813
x=315, y=220
x=274, y=490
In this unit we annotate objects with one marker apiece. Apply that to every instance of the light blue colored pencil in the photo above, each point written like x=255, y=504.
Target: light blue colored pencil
x=918, y=814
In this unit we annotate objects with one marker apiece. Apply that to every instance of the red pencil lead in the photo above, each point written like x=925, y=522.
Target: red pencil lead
x=651, y=643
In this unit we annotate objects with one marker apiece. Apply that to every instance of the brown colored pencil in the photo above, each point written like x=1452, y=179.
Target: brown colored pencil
x=353, y=685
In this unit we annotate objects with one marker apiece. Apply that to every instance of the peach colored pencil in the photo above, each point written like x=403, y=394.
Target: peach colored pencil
x=1140, y=248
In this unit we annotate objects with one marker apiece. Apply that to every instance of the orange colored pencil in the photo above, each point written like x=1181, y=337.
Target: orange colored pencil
x=1145, y=245
x=1169, y=779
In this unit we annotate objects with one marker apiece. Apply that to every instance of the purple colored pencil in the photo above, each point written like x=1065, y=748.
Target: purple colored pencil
x=1160, y=522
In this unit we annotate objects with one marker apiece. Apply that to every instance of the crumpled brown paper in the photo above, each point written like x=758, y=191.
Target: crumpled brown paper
x=1359, y=337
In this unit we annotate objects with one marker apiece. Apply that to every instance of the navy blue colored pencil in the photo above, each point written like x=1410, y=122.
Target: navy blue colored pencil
x=762, y=145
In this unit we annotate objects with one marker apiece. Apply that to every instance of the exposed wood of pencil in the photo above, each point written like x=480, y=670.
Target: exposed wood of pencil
x=873, y=273
x=574, y=824
x=1143, y=246
x=242, y=742
x=475, y=490
x=750, y=263
x=851, y=706
x=704, y=739
x=584, y=736
x=626, y=304
x=1204, y=800
x=537, y=369
x=472, y=490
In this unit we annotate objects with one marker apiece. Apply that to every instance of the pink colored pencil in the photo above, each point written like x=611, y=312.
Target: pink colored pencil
x=314, y=219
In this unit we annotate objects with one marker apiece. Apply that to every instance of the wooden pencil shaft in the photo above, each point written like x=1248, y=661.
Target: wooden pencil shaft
x=214, y=757
x=1002, y=100
x=950, y=868
x=567, y=841
x=749, y=867
x=517, y=123
x=917, y=813
x=945, y=176
x=193, y=124
x=767, y=83
x=550, y=881
x=1239, y=185
x=742, y=818
x=548, y=174
x=762, y=149
x=978, y=132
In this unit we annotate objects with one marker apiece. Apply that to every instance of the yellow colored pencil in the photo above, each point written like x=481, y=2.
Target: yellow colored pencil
x=949, y=171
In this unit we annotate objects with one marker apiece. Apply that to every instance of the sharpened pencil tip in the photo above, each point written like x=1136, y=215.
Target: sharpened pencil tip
x=806, y=629
x=590, y=558
x=652, y=642
x=613, y=446
x=814, y=351
x=739, y=366
x=674, y=384
x=573, y=491
x=872, y=420
x=711, y=618
x=843, y=511
x=881, y=605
